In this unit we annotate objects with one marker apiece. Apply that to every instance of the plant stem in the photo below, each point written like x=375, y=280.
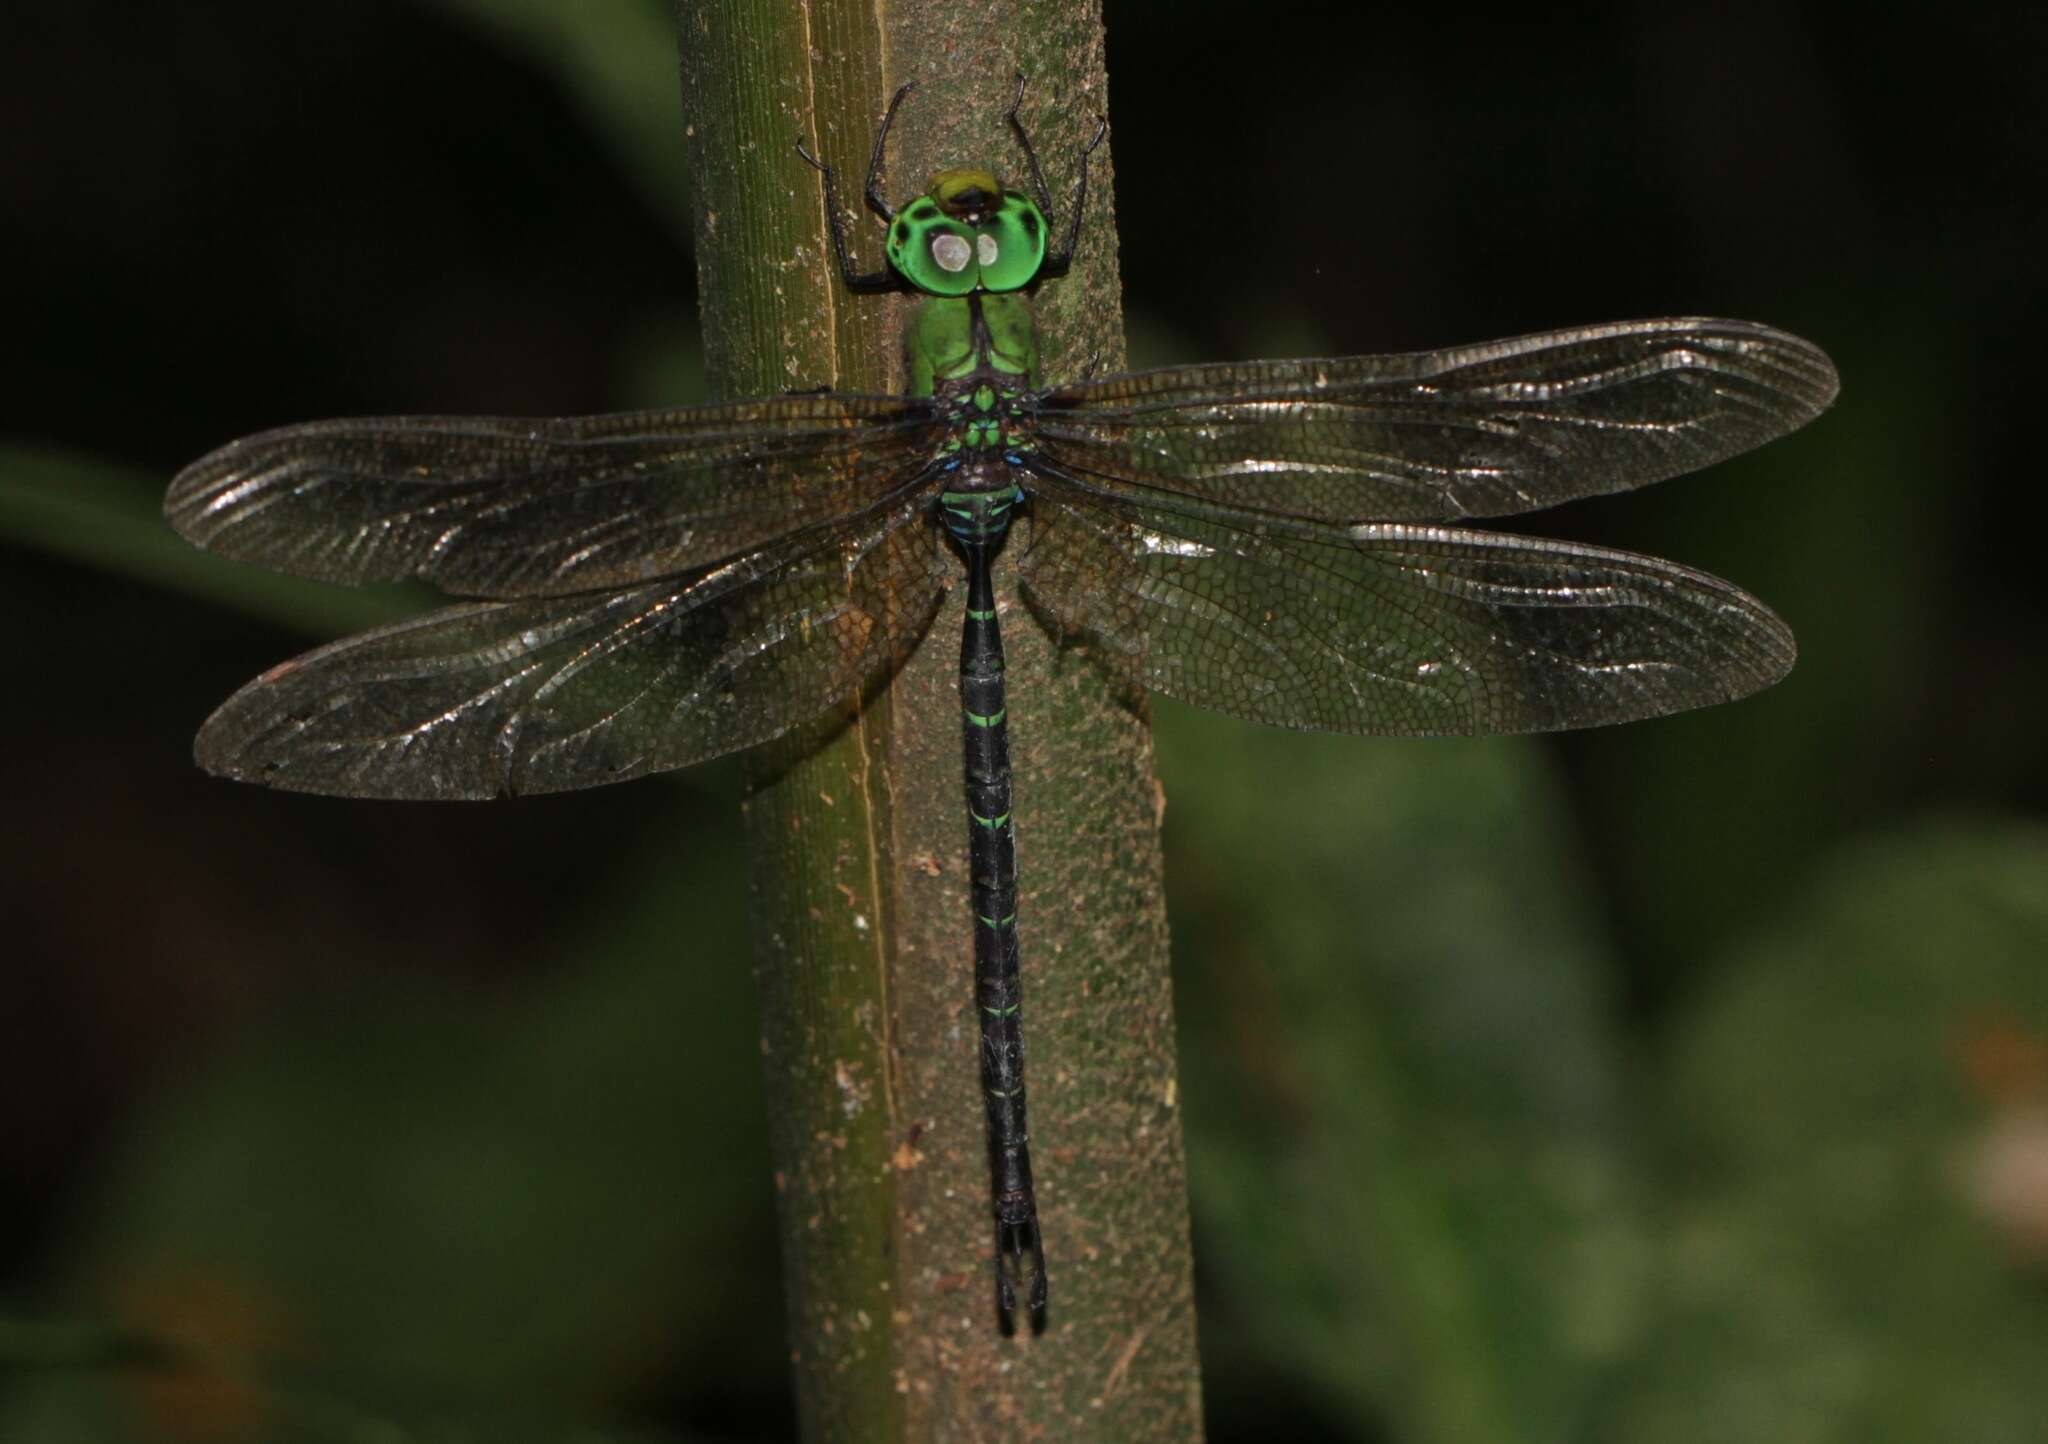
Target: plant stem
x=859, y=831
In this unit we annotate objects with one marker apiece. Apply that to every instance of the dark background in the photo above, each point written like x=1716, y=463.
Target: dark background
x=1680, y=1081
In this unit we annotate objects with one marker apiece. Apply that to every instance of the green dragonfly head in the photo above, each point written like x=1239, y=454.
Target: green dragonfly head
x=966, y=233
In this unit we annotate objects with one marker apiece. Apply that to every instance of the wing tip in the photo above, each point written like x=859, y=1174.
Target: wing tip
x=1805, y=374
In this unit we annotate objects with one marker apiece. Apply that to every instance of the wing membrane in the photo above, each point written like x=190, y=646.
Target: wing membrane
x=1390, y=628
x=1488, y=430
x=522, y=508
x=491, y=699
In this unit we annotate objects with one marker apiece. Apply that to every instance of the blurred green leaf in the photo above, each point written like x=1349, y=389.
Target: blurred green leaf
x=124, y=1384
x=616, y=61
x=1861, y=1105
x=111, y=518
x=1839, y=530
x=30, y=1344
x=1401, y=1095
x=548, y=1204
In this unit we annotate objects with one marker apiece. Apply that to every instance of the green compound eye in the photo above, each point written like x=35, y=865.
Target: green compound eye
x=968, y=236
x=1011, y=244
x=935, y=255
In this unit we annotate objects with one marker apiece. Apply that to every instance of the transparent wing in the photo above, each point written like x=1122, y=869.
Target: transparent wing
x=1390, y=628
x=491, y=699
x=523, y=508
x=1487, y=430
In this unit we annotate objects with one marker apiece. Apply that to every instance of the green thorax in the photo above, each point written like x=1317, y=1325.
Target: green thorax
x=971, y=247
x=953, y=338
x=976, y=355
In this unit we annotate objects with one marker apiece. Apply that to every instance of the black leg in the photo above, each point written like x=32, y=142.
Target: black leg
x=862, y=282
x=1057, y=262
x=1040, y=193
x=876, y=202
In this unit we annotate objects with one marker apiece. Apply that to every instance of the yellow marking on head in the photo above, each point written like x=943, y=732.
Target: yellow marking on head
x=964, y=190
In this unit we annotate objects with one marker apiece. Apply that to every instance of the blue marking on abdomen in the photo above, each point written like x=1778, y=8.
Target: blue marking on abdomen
x=979, y=516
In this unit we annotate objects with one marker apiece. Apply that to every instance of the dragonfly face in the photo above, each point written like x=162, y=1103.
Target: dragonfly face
x=1284, y=541
x=968, y=234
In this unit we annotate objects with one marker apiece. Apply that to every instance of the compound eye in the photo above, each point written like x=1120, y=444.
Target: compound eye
x=951, y=252
x=1010, y=245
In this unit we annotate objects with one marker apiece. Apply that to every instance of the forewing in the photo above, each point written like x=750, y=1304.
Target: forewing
x=527, y=508
x=1390, y=628
x=492, y=699
x=1487, y=430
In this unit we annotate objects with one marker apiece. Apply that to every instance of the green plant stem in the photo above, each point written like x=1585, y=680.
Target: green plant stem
x=859, y=829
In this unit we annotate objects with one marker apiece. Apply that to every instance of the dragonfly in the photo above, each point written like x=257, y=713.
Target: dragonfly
x=1282, y=541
